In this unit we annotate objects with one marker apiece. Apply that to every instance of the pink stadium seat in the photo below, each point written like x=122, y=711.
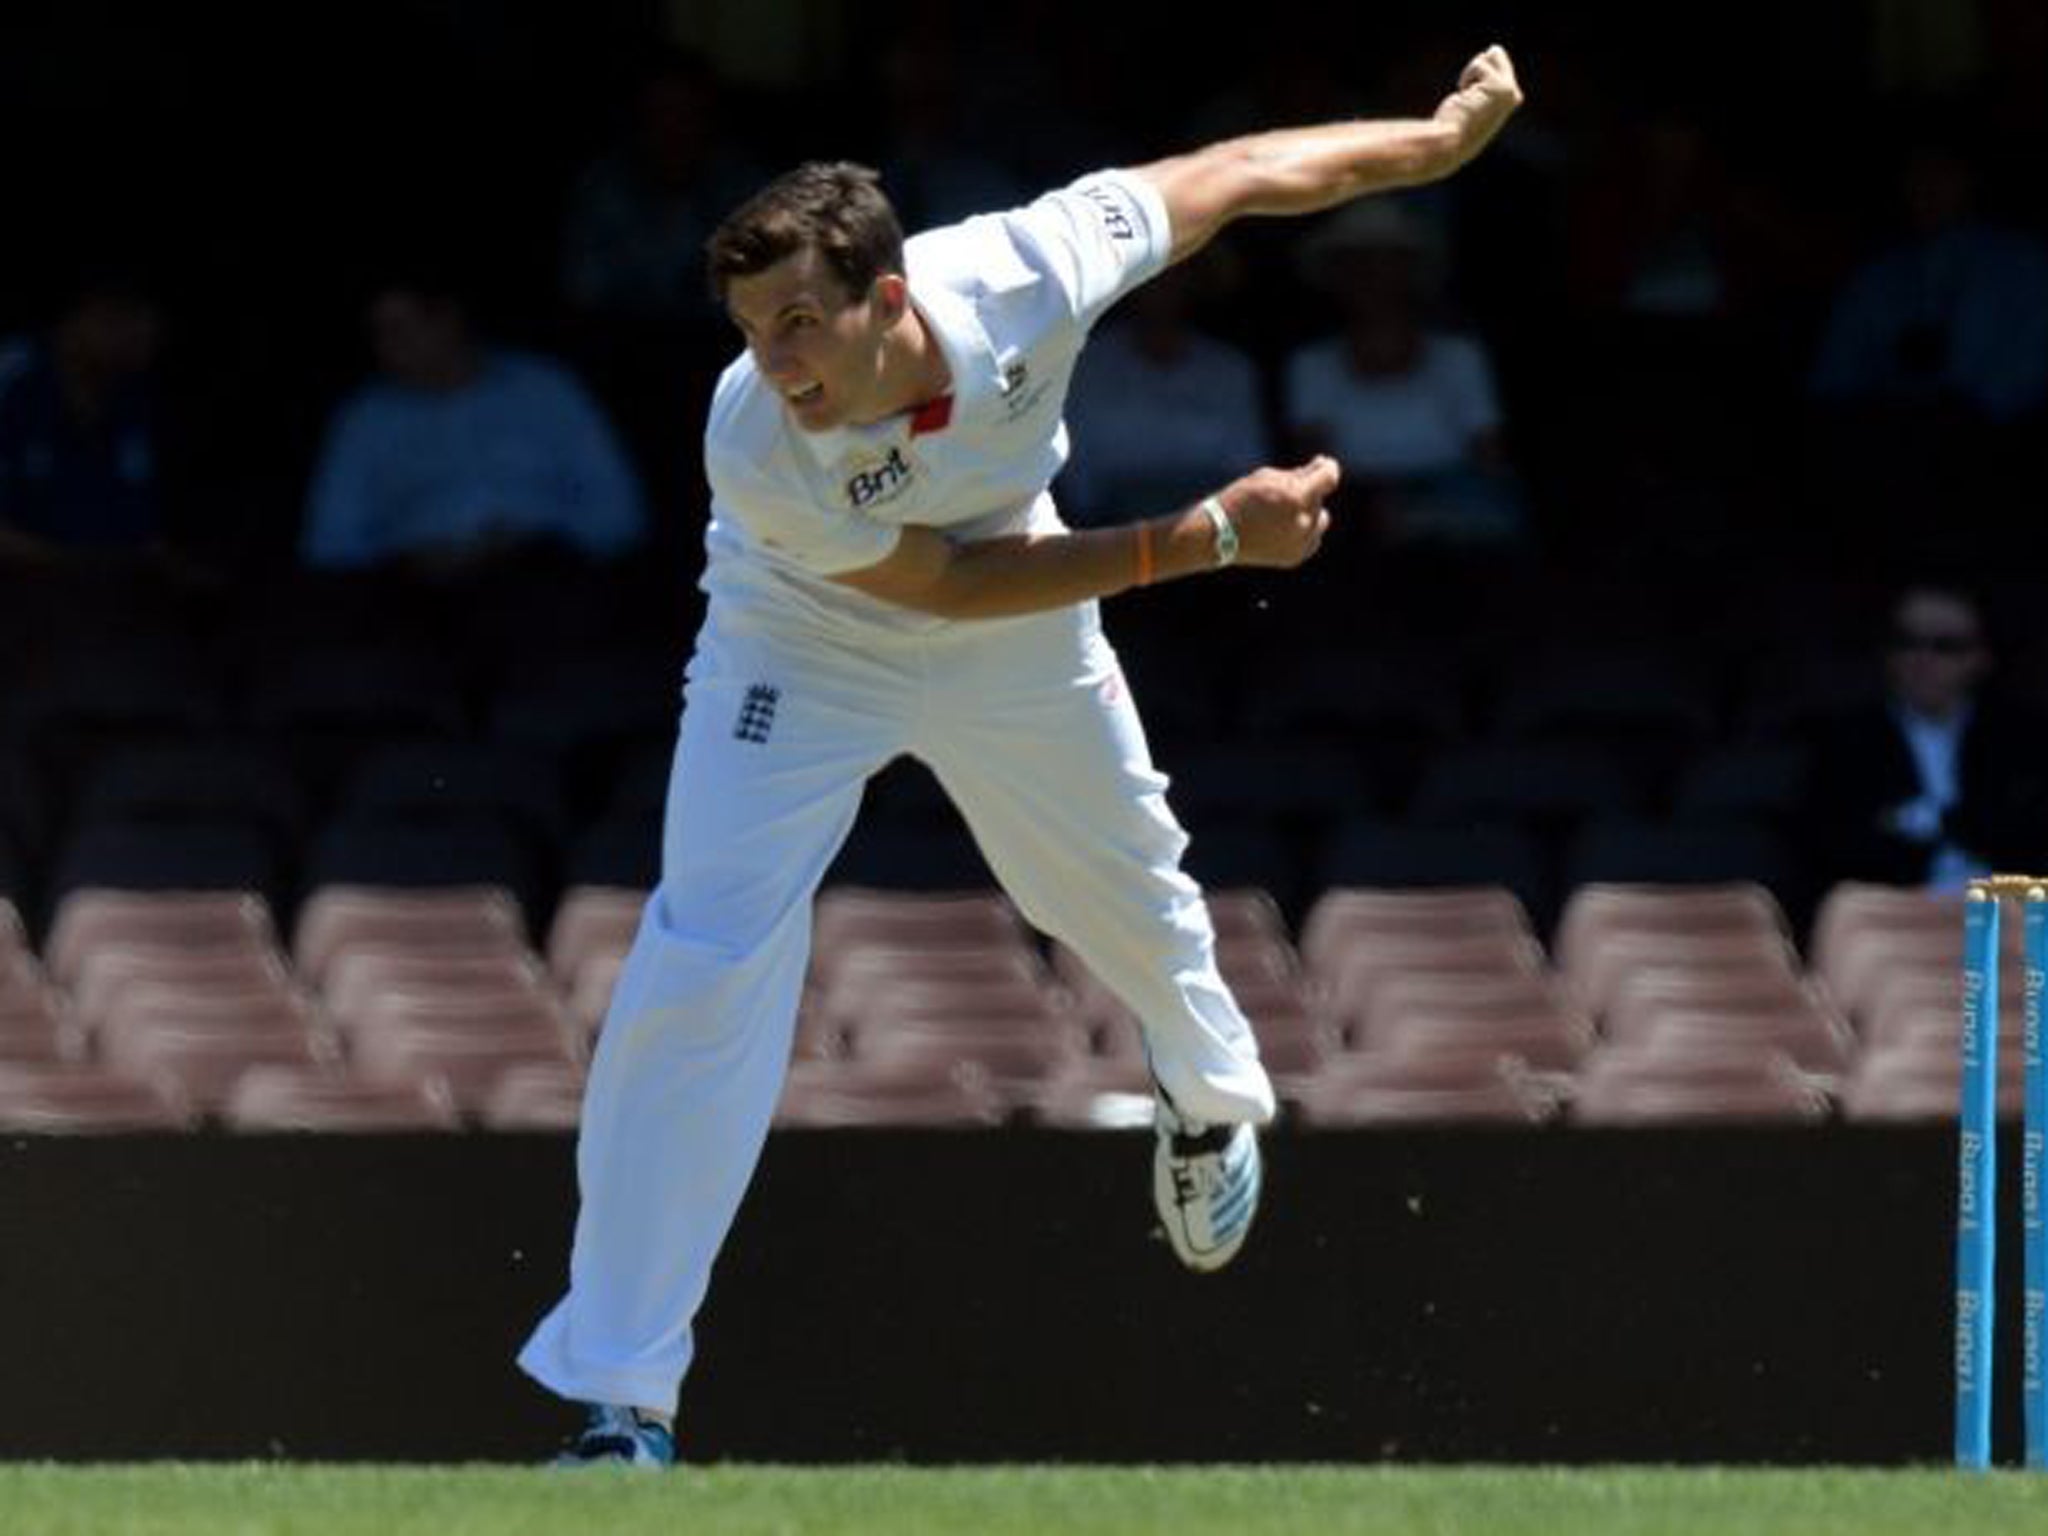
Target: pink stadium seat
x=109, y=973
x=1348, y=995
x=1634, y=1085
x=358, y=976
x=455, y=920
x=204, y=1040
x=1921, y=1078
x=1760, y=1008
x=848, y=916
x=1596, y=911
x=1731, y=954
x=592, y=922
x=590, y=989
x=73, y=1100
x=469, y=1038
x=535, y=1096
x=1343, y=916
x=309, y=1099
x=190, y=922
x=1396, y=1087
x=1854, y=907
x=833, y=1094
x=33, y=1027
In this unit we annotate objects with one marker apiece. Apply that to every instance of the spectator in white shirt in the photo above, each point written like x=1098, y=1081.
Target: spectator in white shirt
x=1409, y=410
x=1159, y=411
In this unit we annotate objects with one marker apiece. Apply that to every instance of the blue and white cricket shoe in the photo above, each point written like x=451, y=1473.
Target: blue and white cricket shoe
x=1205, y=1182
x=620, y=1437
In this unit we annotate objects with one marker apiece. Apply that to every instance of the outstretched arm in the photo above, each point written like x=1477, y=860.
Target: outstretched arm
x=1276, y=516
x=1305, y=170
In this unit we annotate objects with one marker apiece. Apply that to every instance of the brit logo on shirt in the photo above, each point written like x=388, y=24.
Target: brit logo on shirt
x=875, y=481
x=757, y=714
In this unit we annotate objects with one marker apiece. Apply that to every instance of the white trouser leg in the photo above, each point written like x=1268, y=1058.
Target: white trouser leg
x=1038, y=742
x=697, y=1039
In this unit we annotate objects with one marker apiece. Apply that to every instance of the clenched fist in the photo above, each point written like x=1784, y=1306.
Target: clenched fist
x=1279, y=513
x=1485, y=99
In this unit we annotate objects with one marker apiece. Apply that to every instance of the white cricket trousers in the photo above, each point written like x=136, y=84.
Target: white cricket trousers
x=1028, y=726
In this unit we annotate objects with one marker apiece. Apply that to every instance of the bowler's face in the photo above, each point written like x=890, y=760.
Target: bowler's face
x=818, y=348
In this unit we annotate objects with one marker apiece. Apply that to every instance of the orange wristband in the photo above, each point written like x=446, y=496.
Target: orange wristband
x=1145, y=552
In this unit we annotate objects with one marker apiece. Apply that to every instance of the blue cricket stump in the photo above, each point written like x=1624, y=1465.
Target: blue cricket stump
x=1977, y=1186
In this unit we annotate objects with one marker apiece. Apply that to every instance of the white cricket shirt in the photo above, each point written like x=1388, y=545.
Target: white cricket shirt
x=1010, y=298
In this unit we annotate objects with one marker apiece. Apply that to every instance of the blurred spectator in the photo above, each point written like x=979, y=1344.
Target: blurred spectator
x=1159, y=412
x=462, y=453
x=78, y=450
x=1941, y=781
x=633, y=238
x=1410, y=410
x=1952, y=316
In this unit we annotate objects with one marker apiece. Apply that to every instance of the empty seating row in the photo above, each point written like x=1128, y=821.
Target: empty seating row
x=1666, y=1002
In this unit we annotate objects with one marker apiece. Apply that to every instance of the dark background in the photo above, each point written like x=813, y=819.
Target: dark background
x=1731, y=1295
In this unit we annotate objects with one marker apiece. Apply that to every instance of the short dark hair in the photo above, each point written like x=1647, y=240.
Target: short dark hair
x=835, y=208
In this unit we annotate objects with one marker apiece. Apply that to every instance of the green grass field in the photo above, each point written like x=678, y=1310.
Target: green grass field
x=277, y=1500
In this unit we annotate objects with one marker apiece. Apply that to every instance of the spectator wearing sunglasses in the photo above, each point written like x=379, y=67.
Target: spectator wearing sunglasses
x=1941, y=780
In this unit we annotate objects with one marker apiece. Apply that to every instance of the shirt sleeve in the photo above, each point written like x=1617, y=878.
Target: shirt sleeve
x=609, y=517
x=338, y=532
x=1475, y=403
x=1098, y=239
x=788, y=528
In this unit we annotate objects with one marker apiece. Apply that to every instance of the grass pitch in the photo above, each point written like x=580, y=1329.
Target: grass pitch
x=286, y=1500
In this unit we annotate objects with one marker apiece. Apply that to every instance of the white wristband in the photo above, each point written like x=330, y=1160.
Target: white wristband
x=1226, y=531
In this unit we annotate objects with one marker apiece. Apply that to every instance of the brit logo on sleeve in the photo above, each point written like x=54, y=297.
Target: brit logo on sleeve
x=1115, y=208
x=757, y=714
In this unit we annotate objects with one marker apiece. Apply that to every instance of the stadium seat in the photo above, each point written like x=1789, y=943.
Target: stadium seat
x=359, y=977
x=1346, y=912
x=590, y=922
x=1395, y=1087
x=273, y=1098
x=1633, y=1085
x=1384, y=854
x=33, y=1028
x=1921, y=1078
x=467, y=1038
x=111, y=973
x=847, y=916
x=535, y=1096
x=450, y=920
x=1598, y=972
x=1520, y=1014
x=192, y=922
x=205, y=1040
x=69, y=1099
x=838, y=1094
x=1597, y=909
x=1665, y=1006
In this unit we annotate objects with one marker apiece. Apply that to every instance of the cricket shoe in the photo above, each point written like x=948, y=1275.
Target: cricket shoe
x=620, y=1437
x=1205, y=1183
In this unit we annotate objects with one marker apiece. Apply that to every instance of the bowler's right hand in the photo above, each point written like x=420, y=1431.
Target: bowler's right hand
x=1279, y=513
